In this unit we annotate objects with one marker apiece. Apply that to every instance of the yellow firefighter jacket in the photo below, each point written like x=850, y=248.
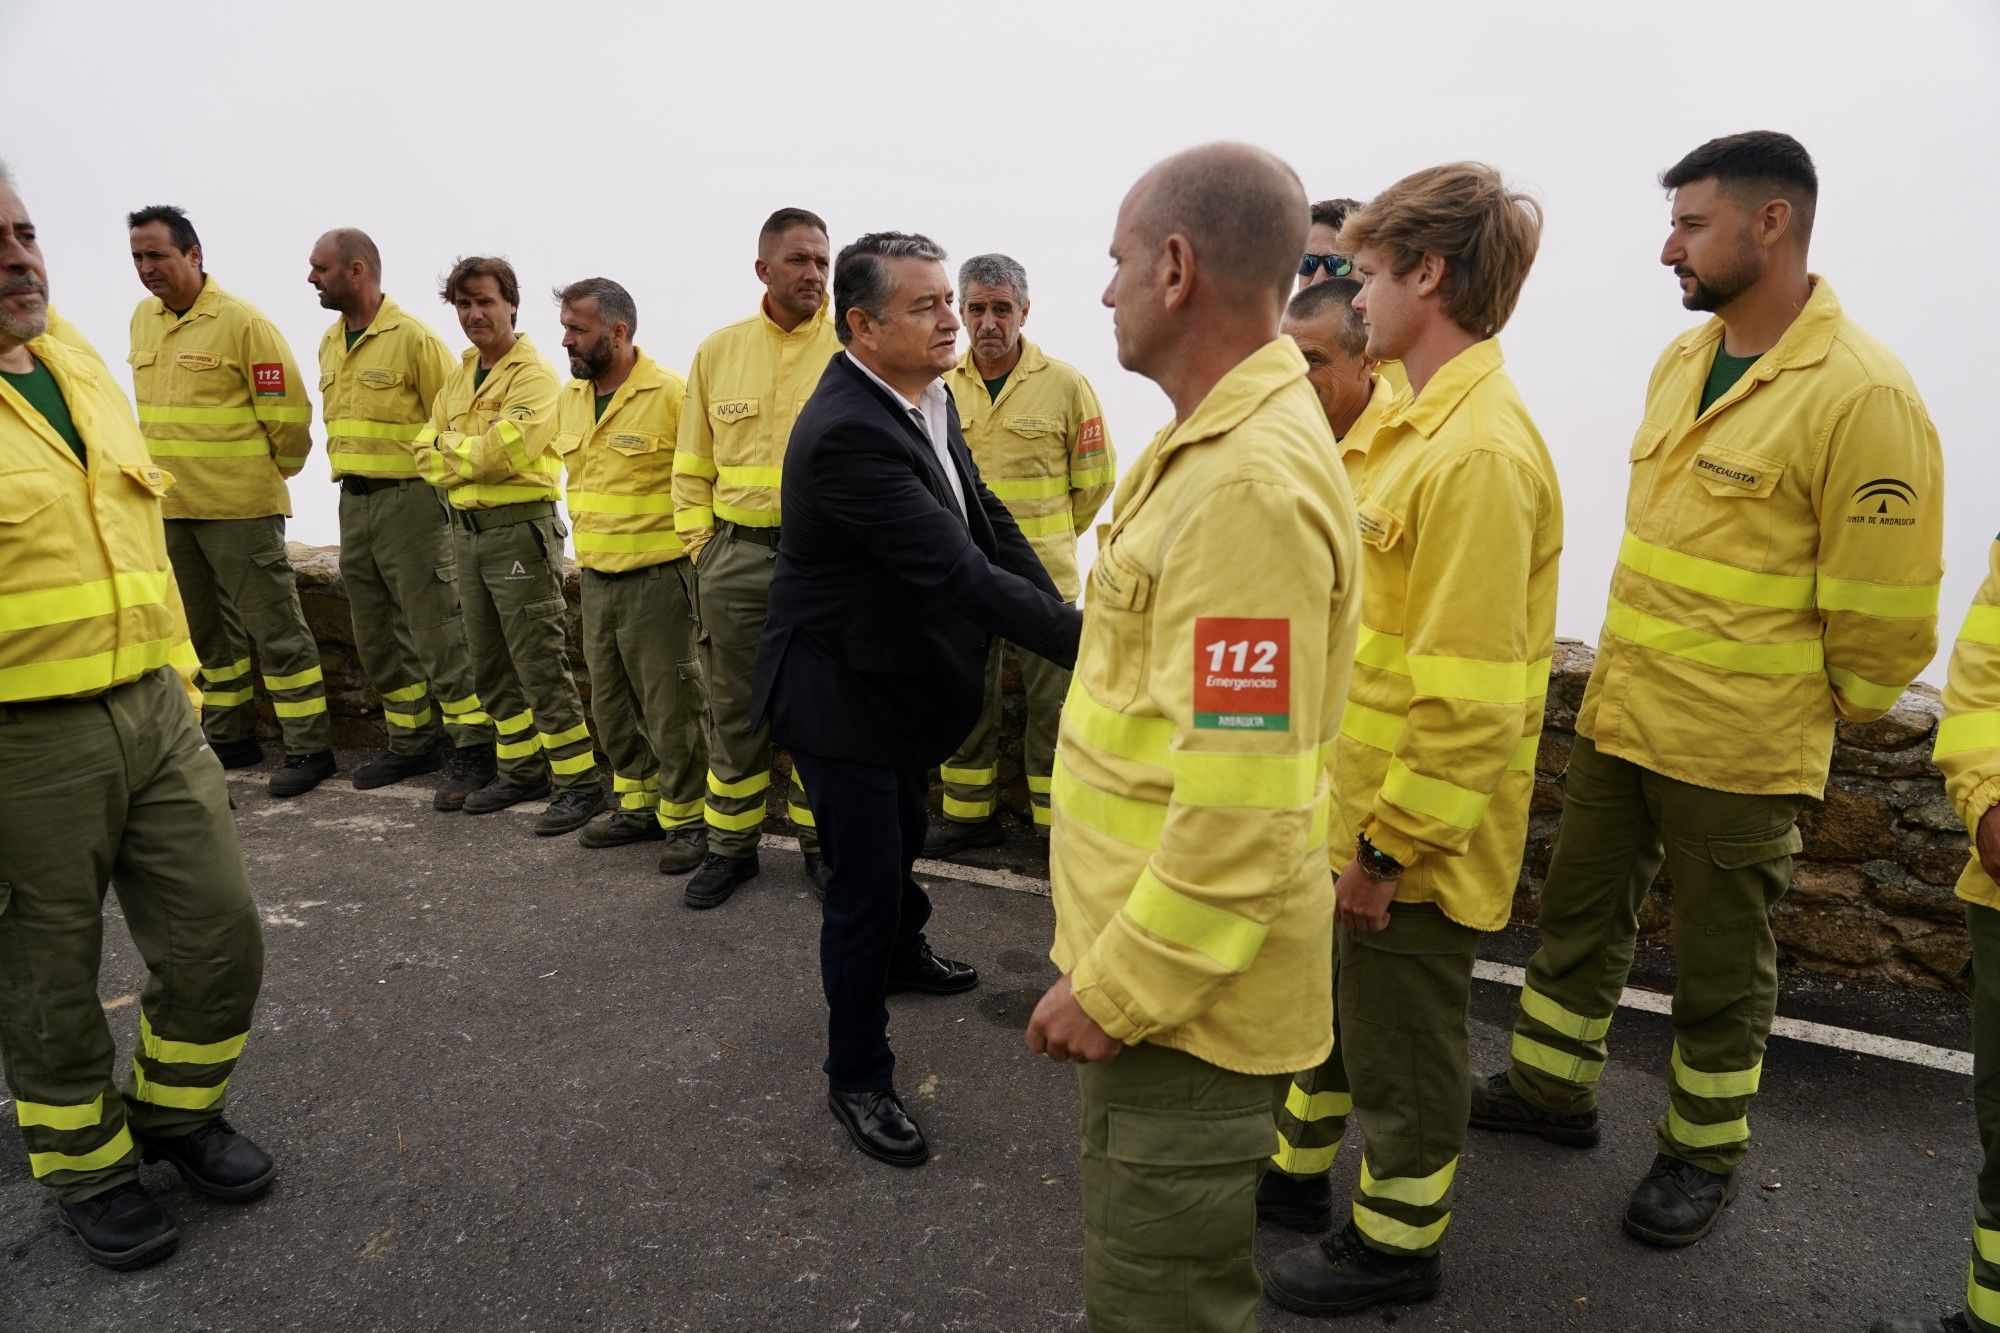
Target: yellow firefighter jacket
x=87, y=598
x=1042, y=449
x=1354, y=444
x=1968, y=740
x=377, y=394
x=1461, y=528
x=1780, y=562
x=489, y=446
x=1188, y=848
x=621, y=468
x=61, y=329
x=221, y=404
x=744, y=390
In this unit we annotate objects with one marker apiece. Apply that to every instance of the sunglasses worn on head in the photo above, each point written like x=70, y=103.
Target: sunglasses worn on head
x=1337, y=266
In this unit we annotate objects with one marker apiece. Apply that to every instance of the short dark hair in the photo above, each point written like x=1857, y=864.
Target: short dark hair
x=179, y=230
x=785, y=219
x=1333, y=212
x=1760, y=163
x=1335, y=294
x=352, y=243
x=861, y=279
x=614, y=304
x=468, y=267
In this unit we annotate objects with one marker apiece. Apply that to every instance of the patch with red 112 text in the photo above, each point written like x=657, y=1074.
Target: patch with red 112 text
x=1242, y=674
x=268, y=379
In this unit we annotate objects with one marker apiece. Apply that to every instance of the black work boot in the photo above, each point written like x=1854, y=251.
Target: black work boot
x=469, y=768
x=949, y=837
x=1496, y=1105
x=122, y=1228
x=214, y=1160
x=302, y=772
x=239, y=754
x=390, y=767
x=1951, y=1323
x=1677, y=1203
x=499, y=793
x=572, y=808
x=1294, y=1203
x=717, y=879
x=624, y=826
x=1341, y=1275
x=818, y=872
x=685, y=848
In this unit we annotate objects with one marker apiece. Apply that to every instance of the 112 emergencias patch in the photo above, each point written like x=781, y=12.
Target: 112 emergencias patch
x=1242, y=674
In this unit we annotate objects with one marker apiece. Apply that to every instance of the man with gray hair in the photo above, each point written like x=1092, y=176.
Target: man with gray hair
x=896, y=568
x=1322, y=320
x=1037, y=433
x=615, y=429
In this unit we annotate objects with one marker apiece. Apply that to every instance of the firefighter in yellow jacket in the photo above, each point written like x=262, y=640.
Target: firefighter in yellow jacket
x=1322, y=320
x=615, y=428
x=1461, y=528
x=487, y=448
x=1037, y=434
x=104, y=775
x=1194, y=926
x=1779, y=570
x=223, y=409
x=745, y=388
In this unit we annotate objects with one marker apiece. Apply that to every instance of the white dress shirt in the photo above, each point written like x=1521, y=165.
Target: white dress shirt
x=931, y=413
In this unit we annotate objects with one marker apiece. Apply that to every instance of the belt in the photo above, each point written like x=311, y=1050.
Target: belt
x=500, y=516
x=762, y=536
x=354, y=485
x=613, y=575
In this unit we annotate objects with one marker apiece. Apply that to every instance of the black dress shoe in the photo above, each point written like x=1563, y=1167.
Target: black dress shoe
x=1677, y=1203
x=718, y=877
x=1295, y=1204
x=879, y=1126
x=214, y=1160
x=1341, y=1275
x=818, y=873
x=1495, y=1105
x=239, y=754
x=932, y=975
x=301, y=773
x=122, y=1228
x=1951, y=1323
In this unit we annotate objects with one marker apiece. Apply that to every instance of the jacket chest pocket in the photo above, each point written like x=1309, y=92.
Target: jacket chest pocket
x=1116, y=626
x=201, y=379
x=734, y=420
x=1731, y=509
x=633, y=443
x=1385, y=576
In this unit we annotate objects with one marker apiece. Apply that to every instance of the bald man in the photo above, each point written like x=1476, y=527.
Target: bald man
x=1194, y=912
x=379, y=369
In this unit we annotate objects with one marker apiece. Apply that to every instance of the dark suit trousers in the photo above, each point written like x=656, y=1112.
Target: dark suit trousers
x=871, y=830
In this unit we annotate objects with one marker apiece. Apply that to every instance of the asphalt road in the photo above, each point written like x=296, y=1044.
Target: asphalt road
x=513, y=1084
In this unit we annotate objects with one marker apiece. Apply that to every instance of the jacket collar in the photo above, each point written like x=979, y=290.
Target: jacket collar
x=73, y=371
x=1805, y=343
x=822, y=318
x=522, y=350
x=1362, y=432
x=645, y=377
x=205, y=302
x=1427, y=411
x=1239, y=393
x=388, y=316
x=1033, y=358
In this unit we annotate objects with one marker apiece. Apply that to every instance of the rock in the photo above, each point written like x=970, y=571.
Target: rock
x=1908, y=723
x=1844, y=935
x=1935, y=812
x=1828, y=883
x=1852, y=824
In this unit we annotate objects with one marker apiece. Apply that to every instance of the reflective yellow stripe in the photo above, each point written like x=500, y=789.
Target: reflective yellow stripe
x=1967, y=731
x=227, y=698
x=293, y=416
x=45, y=1163
x=1559, y=1064
x=472, y=719
x=1376, y=649
x=1550, y=1014
x=218, y=675
x=409, y=721
x=521, y=721
x=82, y=601
x=1230, y=940
x=312, y=675
x=636, y=800
x=1051, y=525
x=83, y=675
x=198, y=416
x=1706, y=1136
x=1796, y=657
x=554, y=739
x=688, y=463
x=1097, y=476
x=180, y=1098
x=1038, y=785
x=750, y=476
x=603, y=502
x=427, y=435
x=579, y=763
x=1982, y=1302
x=1864, y=692
x=1318, y=1106
x=1296, y=1161
x=454, y=707
x=516, y=749
x=745, y=516
x=749, y=786
x=1044, y=818
x=304, y=708
x=60, y=1117
x=627, y=543
x=1370, y=726
x=1477, y=681
x=1146, y=739
x=749, y=819
x=1416, y=1191
x=257, y=448
x=1890, y=601
x=1713, y=578
x=474, y=497
x=373, y=465
x=408, y=694
x=1253, y=781
x=511, y=439
x=957, y=809
x=1398, y=1235
x=1986, y=1241
x=694, y=518
x=1443, y=801
x=673, y=815
x=970, y=777
x=186, y=1052
x=1134, y=823
x=1027, y=488
x=800, y=815
x=1730, y=1083
x=1982, y=625
x=619, y=782
x=354, y=428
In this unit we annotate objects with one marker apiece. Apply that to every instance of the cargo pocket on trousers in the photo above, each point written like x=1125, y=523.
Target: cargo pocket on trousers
x=1768, y=858
x=1183, y=1185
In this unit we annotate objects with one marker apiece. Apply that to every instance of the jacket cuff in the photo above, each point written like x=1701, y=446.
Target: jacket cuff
x=1388, y=841
x=1977, y=802
x=1093, y=992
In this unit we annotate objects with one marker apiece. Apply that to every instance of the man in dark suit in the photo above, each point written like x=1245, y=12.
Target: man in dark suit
x=895, y=568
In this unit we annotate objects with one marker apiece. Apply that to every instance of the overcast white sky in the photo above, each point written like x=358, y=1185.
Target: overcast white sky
x=647, y=142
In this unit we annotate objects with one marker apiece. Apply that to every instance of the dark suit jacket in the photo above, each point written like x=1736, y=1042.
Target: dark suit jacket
x=884, y=600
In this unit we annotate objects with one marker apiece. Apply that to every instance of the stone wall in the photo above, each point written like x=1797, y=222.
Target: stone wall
x=1872, y=894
